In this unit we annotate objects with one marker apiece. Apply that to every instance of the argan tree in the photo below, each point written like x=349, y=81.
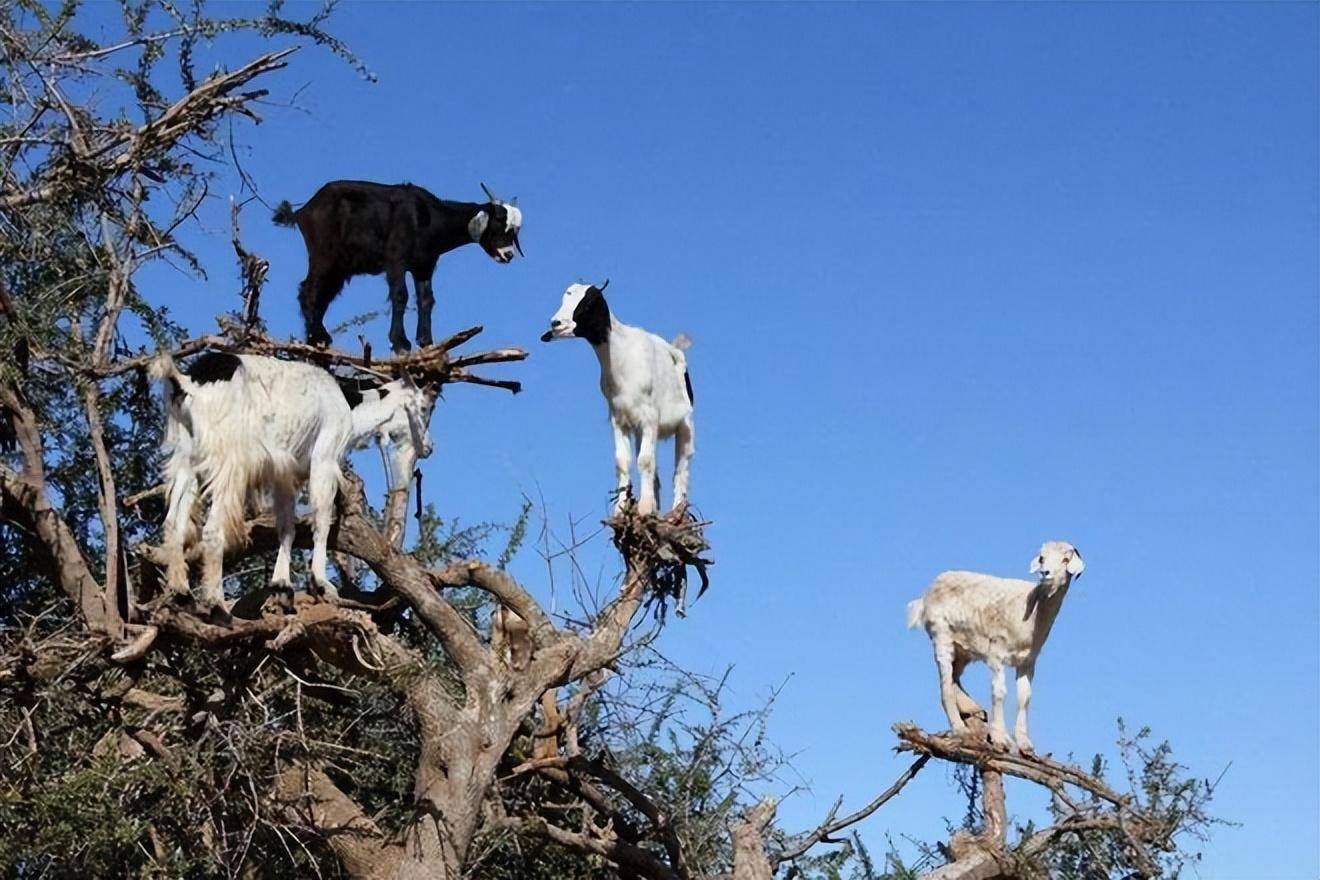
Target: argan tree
x=435, y=721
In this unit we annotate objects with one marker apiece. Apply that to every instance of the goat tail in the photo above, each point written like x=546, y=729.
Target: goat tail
x=178, y=384
x=916, y=612
x=163, y=367
x=284, y=214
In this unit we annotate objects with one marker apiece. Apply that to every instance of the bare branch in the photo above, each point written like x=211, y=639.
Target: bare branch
x=122, y=151
x=969, y=750
x=26, y=503
x=310, y=797
x=603, y=842
x=832, y=826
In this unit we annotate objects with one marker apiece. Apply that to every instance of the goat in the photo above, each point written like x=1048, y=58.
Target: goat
x=646, y=384
x=237, y=425
x=399, y=454
x=972, y=616
x=353, y=227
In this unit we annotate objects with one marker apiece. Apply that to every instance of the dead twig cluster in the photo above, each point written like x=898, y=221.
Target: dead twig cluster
x=666, y=547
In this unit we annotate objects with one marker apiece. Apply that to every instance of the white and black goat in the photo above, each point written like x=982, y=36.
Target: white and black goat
x=239, y=426
x=645, y=382
x=1003, y=621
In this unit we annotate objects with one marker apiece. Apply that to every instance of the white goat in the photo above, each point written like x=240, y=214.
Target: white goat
x=972, y=616
x=239, y=425
x=645, y=382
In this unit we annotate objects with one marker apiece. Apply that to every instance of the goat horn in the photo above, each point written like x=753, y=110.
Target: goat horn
x=489, y=195
x=604, y=284
x=518, y=245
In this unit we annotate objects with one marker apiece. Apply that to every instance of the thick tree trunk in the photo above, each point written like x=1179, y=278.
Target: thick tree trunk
x=750, y=861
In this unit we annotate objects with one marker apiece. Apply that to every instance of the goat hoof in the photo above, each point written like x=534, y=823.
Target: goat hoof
x=1001, y=741
x=1025, y=746
x=400, y=346
x=219, y=615
x=325, y=592
x=424, y=341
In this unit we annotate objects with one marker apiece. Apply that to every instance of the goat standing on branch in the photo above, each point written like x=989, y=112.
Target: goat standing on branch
x=971, y=616
x=354, y=227
x=645, y=382
x=243, y=424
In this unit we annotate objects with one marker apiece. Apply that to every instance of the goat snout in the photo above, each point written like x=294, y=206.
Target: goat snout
x=559, y=328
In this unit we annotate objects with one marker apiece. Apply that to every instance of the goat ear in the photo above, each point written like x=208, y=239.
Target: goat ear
x=477, y=225
x=1075, y=564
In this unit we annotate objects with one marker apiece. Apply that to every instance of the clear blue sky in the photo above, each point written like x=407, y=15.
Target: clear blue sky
x=960, y=278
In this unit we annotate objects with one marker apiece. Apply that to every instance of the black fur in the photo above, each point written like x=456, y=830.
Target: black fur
x=354, y=389
x=284, y=214
x=351, y=389
x=591, y=318
x=354, y=227
x=213, y=366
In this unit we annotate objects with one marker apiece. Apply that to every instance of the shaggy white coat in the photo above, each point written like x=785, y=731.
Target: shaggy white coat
x=273, y=427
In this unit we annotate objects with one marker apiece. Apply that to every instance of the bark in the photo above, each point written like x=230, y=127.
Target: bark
x=311, y=798
x=986, y=855
x=25, y=503
x=750, y=861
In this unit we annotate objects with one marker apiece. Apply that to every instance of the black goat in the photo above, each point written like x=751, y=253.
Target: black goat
x=354, y=227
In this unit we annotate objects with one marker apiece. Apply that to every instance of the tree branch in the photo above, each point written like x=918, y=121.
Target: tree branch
x=1041, y=770
x=122, y=151
x=25, y=503
x=605, y=844
x=312, y=798
x=833, y=826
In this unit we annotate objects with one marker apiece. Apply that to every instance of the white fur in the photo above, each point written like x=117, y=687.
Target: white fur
x=971, y=616
x=515, y=215
x=272, y=427
x=642, y=378
x=396, y=434
x=513, y=223
x=477, y=225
